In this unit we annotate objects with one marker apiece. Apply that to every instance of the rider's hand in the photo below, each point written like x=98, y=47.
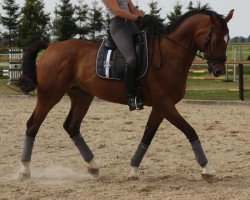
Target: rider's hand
x=145, y=20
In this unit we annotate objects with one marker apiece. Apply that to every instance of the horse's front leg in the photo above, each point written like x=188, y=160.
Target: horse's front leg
x=173, y=116
x=153, y=123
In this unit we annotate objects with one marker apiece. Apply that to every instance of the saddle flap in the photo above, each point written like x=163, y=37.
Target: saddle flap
x=110, y=63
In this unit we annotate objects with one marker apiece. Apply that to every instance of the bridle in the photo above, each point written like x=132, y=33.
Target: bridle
x=206, y=47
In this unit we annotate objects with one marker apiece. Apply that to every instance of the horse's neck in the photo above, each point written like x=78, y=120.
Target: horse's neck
x=181, y=45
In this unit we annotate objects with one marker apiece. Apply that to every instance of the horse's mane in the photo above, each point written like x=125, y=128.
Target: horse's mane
x=205, y=9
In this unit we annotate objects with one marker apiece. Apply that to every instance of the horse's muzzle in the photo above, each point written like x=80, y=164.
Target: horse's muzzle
x=216, y=64
x=217, y=70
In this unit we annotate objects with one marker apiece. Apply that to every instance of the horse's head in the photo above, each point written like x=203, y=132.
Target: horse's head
x=213, y=43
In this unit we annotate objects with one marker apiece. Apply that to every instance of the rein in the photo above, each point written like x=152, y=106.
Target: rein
x=176, y=43
x=206, y=47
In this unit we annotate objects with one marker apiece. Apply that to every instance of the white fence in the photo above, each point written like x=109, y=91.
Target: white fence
x=15, y=63
x=14, y=60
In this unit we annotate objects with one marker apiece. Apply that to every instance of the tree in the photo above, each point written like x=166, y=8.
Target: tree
x=248, y=39
x=234, y=39
x=34, y=23
x=10, y=22
x=154, y=10
x=1, y=39
x=96, y=21
x=190, y=6
x=64, y=23
x=107, y=21
x=157, y=24
x=81, y=12
x=174, y=15
x=241, y=39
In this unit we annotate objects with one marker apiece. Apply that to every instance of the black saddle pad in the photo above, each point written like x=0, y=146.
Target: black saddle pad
x=110, y=64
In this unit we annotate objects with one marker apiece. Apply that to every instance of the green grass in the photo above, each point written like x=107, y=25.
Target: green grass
x=216, y=89
x=224, y=95
x=196, y=90
x=245, y=51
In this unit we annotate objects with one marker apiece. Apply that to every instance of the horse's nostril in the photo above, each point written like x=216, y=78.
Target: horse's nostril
x=217, y=73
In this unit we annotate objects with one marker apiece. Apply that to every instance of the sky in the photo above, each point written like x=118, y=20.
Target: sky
x=238, y=26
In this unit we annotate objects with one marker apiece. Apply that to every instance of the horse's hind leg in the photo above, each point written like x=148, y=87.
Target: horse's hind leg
x=80, y=102
x=45, y=102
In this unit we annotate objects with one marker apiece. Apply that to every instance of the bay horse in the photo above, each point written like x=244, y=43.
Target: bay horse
x=68, y=67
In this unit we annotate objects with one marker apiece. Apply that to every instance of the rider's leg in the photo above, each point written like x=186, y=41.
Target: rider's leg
x=122, y=32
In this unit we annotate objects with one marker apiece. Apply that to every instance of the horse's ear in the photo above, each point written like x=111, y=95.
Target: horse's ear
x=229, y=15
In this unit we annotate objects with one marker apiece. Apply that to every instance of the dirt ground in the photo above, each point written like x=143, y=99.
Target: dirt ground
x=168, y=170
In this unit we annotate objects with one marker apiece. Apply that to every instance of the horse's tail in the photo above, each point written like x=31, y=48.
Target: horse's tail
x=28, y=80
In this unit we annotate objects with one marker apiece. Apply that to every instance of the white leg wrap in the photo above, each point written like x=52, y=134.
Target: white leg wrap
x=24, y=172
x=92, y=164
x=93, y=168
x=208, y=171
x=134, y=173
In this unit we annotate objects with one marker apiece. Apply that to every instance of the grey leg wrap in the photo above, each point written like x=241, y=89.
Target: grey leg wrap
x=139, y=154
x=27, y=148
x=199, y=153
x=83, y=147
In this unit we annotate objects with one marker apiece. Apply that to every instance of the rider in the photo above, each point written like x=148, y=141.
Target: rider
x=123, y=14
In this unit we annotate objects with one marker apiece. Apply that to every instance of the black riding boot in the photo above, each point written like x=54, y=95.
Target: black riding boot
x=134, y=102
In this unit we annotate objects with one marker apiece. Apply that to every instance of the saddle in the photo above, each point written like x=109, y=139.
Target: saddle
x=110, y=64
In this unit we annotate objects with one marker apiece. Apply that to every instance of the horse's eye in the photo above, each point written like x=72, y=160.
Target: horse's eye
x=218, y=42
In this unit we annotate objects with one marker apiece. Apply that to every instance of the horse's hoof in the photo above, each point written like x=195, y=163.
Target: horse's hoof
x=94, y=172
x=208, y=177
x=134, y=174
x=133, y=178
x=208, y=174
x=23, y=177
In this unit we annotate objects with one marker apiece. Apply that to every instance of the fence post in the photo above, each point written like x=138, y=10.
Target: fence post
x=235, y=58
x=241, y=82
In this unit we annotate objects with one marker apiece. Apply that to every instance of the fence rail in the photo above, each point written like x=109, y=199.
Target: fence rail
x=13, y=59
x=240, y=64
x=229, y=62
